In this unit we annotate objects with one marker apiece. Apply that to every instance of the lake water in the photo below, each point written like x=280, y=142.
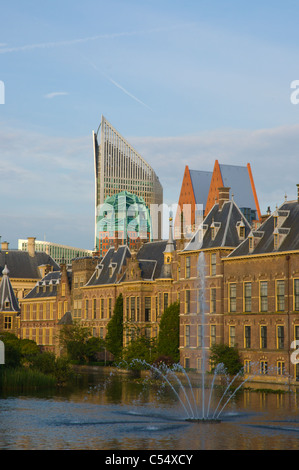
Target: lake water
x=112, y=412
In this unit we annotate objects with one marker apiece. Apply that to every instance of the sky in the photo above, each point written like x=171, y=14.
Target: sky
x=185, y=82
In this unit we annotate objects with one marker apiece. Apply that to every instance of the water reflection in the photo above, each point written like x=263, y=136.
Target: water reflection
x=108, y=411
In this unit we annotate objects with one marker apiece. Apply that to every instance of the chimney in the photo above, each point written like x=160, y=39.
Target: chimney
x=223, y=196
x=4, y=246
x=31, y=246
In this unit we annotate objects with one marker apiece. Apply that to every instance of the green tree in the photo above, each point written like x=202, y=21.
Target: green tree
x=29, y=350
x=142, y=348
x=49, y=364
x=228, y=356
x=93, y=346
x=114, y=336
x=78, y=342
x=168, y=339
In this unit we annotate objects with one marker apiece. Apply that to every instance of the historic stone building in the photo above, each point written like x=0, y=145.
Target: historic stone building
x=43, y=308
x=224, y=228
x=143, y=277
x=251, y=290
x=261, y=295
x=9, y=305
x=25, y=267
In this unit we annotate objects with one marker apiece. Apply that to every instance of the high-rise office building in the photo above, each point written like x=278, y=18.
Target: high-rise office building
x=59, y=253
x=118, y=168
x=126, y=218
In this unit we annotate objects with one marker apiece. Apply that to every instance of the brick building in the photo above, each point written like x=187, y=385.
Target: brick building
x=224, y=228
x=251, y=290
x=261, y=294
x=9, y=305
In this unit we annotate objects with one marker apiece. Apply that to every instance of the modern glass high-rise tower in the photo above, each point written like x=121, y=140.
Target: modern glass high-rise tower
x=118, y=168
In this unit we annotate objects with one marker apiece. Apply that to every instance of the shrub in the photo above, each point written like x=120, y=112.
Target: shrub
x=228, y=356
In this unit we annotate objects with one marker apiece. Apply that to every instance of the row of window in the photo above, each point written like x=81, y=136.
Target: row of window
x=280, y=300
x=280, y=291
x=153, y=307
x=247, y=339
x=42, y=336
x=188, y=266
x=261, y=368
x=99, y=308
x=38, y=311
x=263, y=336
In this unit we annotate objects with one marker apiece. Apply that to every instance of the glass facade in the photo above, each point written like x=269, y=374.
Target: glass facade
x=118, y=168
x=60, y=253
x=125, y=217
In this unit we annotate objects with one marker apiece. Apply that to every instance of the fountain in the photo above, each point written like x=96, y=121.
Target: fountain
x=170, y=375
x=173, y=376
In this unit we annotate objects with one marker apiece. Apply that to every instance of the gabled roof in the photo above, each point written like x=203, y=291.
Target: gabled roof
x=240, y=181
x=201, y=181
x=23, y=266
x=67, y=319
x=225, y=223
x=237, y=178
x=111, y=265
x=153, y=253
x=287, y=231
x=46, y=287
x=8, y=300
x=150, y=259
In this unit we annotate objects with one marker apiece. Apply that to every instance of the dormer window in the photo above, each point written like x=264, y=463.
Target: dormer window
x=215, y=226
x=278, y=237
x=241, y=229
x=254, y=239
x=111, y=269
x=99, y=270
x=279, y=218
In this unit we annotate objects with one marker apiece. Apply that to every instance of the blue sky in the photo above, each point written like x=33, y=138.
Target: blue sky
x=186, y=82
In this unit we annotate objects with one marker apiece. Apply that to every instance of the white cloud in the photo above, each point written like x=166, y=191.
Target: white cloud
x=48, y=182
x=71, y=42
x=272, y=154
x=54, y=94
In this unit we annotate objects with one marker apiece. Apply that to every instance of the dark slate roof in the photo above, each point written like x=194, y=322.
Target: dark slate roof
x=67, y=319
x=225, y=222
x=22, y=265
x=201, y=181
x=288, y=230
x=152, y=252
x=148, y=268
x=151, y=260
x=114, y=259
x=47, y=287
x=8, y=300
